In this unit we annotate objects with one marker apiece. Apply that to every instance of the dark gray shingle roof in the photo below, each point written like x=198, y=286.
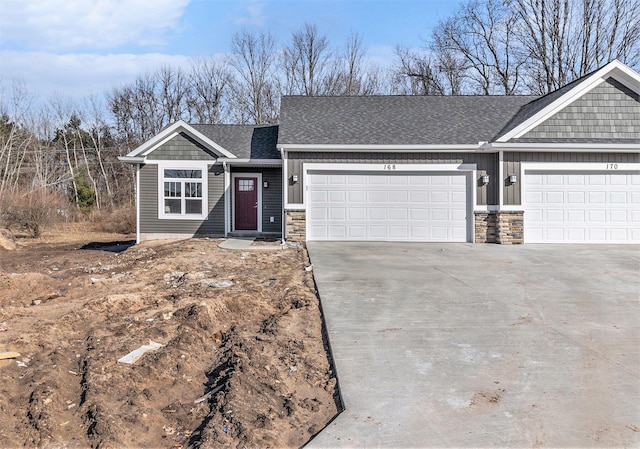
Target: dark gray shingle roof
x=396, y=120
x=245, y=141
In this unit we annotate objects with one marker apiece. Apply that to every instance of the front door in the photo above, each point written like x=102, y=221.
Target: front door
x=246, y=204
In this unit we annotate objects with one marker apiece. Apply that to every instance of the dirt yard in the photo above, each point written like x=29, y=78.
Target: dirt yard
x=242, y=361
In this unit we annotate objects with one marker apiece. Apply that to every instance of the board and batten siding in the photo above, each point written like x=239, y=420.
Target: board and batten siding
x=486, y=164
x=511, y=166
x=609, y=111
x=148, y=197
x=271, y=197
x=181, y=148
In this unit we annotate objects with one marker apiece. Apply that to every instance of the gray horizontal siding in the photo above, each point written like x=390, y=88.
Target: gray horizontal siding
x=182, y=147
x=609, y=111
x=148, y=196
x=271, y=197
x=511, y=166
x=486, y=164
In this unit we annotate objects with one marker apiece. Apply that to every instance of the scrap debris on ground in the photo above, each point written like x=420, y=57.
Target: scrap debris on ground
x=221, y=348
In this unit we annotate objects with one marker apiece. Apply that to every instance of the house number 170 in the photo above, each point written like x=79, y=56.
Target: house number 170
x=612, y=166
x=389, y=166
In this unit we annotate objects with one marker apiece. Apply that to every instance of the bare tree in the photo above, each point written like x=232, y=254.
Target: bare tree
x=416, y=74
x=306, y=62
x=254, y=95
x=565, y=40
x=210, y=81
x=483, y=34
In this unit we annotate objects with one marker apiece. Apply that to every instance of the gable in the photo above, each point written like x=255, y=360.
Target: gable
x=610, y=111
x=182, y=147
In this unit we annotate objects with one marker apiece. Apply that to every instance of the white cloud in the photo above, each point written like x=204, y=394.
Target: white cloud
x=76, y=75
x=254, y=15
x=72, y=24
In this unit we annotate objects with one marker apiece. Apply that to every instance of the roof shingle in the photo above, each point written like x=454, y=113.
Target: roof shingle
x=396, y=120
x=245, y=141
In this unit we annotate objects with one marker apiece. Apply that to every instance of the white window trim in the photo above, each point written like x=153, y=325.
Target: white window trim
x=233, y=199
x=183, y=165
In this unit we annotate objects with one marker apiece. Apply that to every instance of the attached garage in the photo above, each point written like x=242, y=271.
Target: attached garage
x=586, y=206
x=389, y=206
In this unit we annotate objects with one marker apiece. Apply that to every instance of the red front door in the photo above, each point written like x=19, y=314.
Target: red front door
x=246, y=204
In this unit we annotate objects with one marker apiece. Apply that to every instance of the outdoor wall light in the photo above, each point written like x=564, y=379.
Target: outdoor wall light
x=294, y=178
x=484, y=179
x=265, y=184
x=513, y=179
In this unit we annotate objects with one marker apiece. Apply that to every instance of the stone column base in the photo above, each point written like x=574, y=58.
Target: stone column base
x=505, y=228
x=296, y=226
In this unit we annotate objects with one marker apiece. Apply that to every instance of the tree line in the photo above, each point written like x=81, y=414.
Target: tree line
x=487, y=47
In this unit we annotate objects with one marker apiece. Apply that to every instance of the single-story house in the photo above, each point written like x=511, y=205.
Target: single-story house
x=563, y=167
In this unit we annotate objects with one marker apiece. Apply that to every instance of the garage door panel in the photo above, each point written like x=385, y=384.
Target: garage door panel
x=357, y=213
x=400, y=196
x=377, y=196
x=395, y=207
x=337, y=197
x=439, y=196
x=575, y=197
x=581, y=207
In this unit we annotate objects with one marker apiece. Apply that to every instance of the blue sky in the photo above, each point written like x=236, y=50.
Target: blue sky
x=79, y=47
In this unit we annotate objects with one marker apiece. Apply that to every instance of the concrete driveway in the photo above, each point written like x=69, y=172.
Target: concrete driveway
x=460, y=345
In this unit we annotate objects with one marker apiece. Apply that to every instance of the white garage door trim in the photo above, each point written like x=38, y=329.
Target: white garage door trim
x=466, y=170
x=586, y=228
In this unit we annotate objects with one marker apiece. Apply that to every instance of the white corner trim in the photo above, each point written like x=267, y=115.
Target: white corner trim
x=615, y=69
x=227, y=199
x=233, y=198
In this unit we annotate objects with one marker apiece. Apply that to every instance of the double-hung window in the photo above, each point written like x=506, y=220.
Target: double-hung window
x=182, y=193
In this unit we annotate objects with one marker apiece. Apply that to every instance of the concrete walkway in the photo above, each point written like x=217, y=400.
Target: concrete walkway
x=460, y=345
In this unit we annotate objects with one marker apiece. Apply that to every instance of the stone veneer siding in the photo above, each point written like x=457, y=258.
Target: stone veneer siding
x=485, y=227
x=506, y=228
x=296, y=226
x=510, y=228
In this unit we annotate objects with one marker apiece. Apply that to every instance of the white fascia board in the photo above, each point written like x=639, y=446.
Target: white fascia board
x=569, y=147
x=581, y=166
x=131, y=159
x=170, y=132
x=379, y=148
x=250, y=162
x=615, y=69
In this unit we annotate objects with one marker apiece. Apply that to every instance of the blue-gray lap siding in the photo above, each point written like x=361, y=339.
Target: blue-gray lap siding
x=148, y=197
x=486, y=164
x=271, y=197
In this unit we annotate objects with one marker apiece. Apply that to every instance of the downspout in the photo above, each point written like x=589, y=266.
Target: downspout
x=138, y=167
x=285, y=195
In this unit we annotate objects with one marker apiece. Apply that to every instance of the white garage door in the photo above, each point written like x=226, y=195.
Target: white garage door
x=387, y=207
x=582, y=207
